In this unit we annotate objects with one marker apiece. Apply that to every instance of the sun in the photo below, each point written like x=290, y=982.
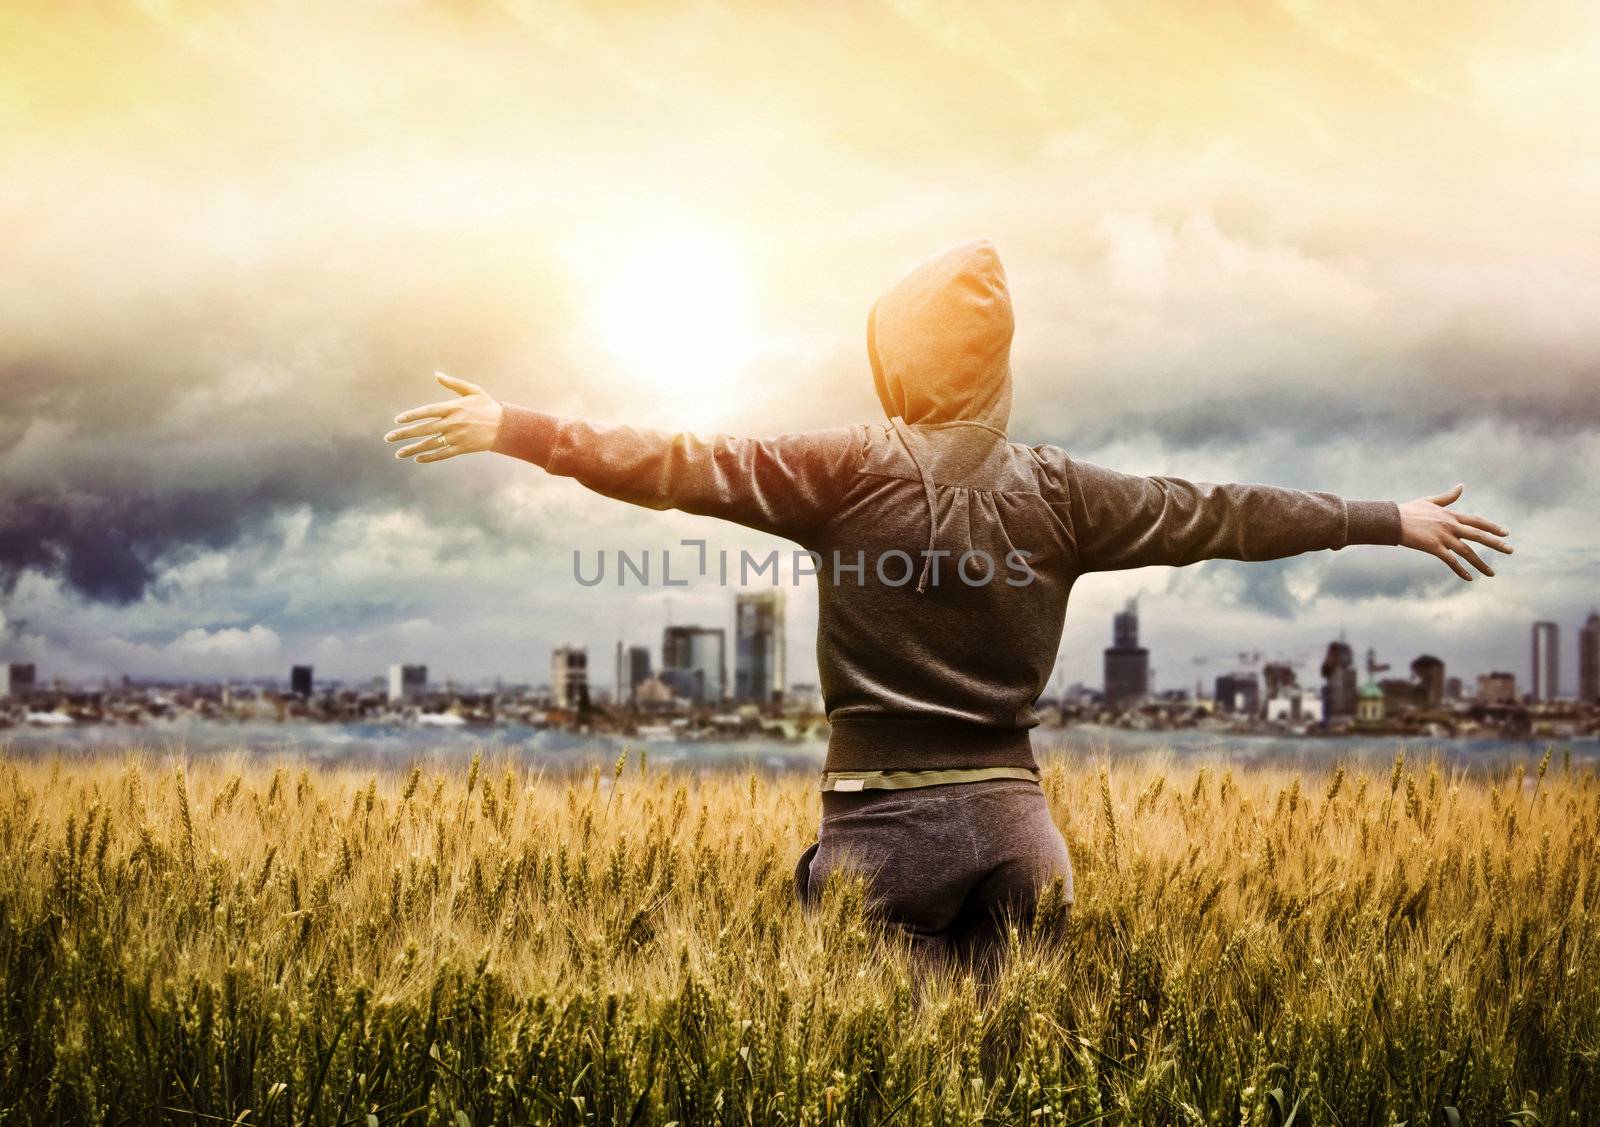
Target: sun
x=675, y=311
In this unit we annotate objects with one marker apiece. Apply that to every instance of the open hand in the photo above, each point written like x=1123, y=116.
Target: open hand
x=460, y=426
x=1428, y=526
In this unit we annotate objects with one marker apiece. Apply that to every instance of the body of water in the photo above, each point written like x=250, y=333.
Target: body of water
x=400, y=744
x=1313, y=751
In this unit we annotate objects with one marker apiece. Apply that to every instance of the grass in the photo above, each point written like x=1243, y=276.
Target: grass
x=222, y=941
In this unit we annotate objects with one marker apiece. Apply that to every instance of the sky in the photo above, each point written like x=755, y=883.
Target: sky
x=1343, y=246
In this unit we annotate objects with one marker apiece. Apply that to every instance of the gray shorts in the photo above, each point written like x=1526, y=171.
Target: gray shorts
x=949, y=865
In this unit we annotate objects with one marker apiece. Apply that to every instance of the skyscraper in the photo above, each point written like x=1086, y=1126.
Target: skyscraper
x=633, y=670
x=1589, y=659
x=1278, y=679
x=1338, y=681
x=1499, y=687
x=569, y=677
x=758, y=671
x=407, y=682
x=16, y=679
x=1429, y=672
x=1545, y=673
x=300, y=680
x=1127, y=677
x=694, y=662
x=1238, y=693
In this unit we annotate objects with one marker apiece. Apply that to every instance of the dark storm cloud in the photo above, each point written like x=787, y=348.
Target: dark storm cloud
x=1260, y=586
x=135, y=467
x=1238, y=420
x=1369, y=577
x=167, y=405
x=1267, y=590
x=106, y=538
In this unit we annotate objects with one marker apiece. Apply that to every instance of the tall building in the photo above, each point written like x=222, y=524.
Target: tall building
x=639, y=668
x=569, y=677
x=300, y=680
x=1429, y=672
x=1589, y=659
x=16, y=679
x=1127, y=678
x=407, y=682
x=1238, y=693
x=694, y=662
x=1338, y=681
x=1497, y=688
x=633, y=670
x=1279, y=679
x=1545, y=672
x=1125, y=626
x=758, y=662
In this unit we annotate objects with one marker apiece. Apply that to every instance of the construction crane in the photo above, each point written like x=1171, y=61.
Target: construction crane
x=1245, y=659
x=1252, y=659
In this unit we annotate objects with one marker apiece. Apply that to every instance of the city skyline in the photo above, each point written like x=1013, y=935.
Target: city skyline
x=693, y=656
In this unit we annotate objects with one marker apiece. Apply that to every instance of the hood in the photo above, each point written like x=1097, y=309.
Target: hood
x=940, y=340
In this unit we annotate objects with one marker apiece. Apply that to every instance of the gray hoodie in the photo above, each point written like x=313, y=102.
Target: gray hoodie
x=930, y=658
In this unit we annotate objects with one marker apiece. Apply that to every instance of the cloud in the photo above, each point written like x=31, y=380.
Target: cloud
x=107, y=536
x=235, y=251
x=1374, y=576
x=1261, y=587
x=229, y=645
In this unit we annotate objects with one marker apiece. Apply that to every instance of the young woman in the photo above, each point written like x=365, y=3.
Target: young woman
x=946, y=554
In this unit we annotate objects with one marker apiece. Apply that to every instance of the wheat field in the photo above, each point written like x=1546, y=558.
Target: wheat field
x=221, y=940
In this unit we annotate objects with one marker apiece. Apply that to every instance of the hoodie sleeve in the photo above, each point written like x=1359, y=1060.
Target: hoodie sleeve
x=1124, y=520
x=788, y=484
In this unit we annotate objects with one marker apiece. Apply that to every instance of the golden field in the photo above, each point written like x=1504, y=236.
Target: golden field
x=230, y=940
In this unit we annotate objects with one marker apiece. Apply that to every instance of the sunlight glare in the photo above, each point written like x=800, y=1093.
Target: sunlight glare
x=676, y=313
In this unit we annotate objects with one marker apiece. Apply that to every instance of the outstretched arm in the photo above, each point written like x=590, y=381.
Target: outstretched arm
x=1126, y=520
x=788, y=484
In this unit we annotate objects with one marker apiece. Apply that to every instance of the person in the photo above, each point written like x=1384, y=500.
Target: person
x=945, y=556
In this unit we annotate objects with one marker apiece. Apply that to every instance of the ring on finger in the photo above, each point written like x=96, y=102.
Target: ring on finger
x=441, y=441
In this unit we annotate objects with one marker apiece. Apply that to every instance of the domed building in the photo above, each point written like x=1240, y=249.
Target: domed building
x=1369, y=703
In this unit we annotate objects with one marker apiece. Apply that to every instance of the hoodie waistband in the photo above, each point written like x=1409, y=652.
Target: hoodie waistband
x=845, y=782
x=896, y=744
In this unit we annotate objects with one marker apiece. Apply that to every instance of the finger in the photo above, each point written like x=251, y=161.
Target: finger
x=460, y=387
x=1448, y=497
x=1480, y=522
x=1465, y=552
x=431, y=411
x=415, y=430
x=1467, y=532
x=440, y=453
x=1454, y=564
x=429, y=443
